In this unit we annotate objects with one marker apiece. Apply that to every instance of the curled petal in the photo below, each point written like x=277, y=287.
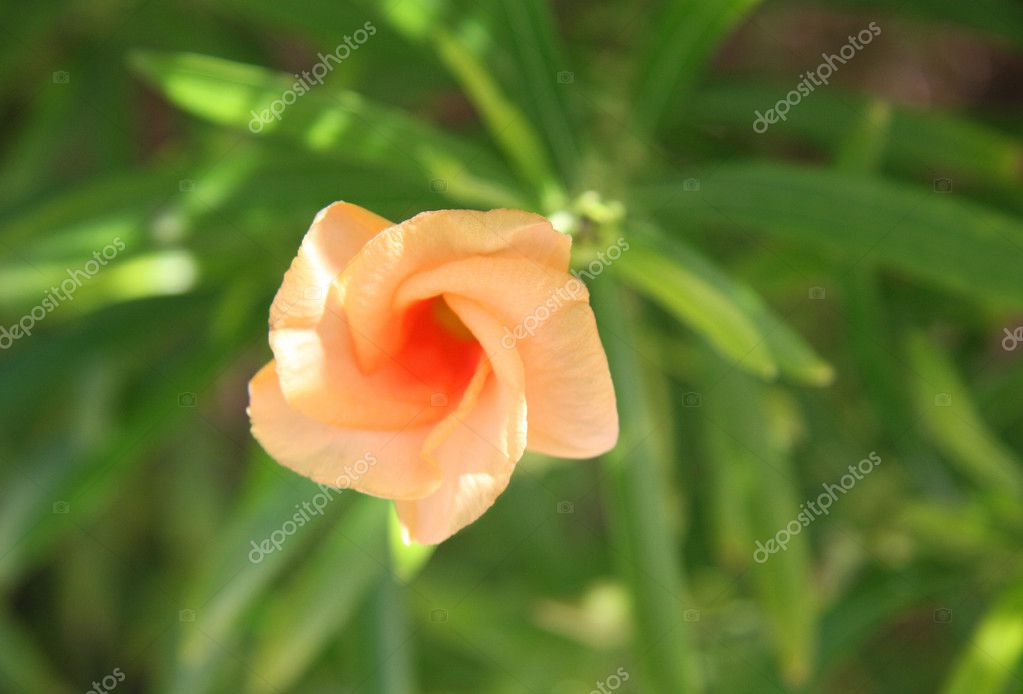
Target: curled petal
x=337, y=234
x=476, y=449
x=394, y=466
x=548, y=323
x=426, y=242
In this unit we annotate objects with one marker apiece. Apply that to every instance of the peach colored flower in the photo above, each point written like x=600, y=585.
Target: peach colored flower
x=393, y=373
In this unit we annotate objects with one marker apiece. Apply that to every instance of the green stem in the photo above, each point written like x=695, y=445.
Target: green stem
x=638, y=482
x=392, y=645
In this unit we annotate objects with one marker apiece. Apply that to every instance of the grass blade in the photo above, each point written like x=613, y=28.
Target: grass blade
x=745, y=427
x=430, y=23
x=918, y=142
x=539, y=58
x=637, y=471
x=731, y=316
x=684, y=38
x=945, y=242
x=995, y=651
x=320, y=597
x=342, y=124
x=950, y=418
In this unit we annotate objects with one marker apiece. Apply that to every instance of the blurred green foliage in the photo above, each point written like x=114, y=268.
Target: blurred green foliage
x=848, y=282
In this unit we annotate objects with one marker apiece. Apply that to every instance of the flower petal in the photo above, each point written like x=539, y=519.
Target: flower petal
x=476, y=449
x=426, y=242
x=394, y=467
x=321, y=376
x=313, y=340
x=337, y=234
x=572, y=410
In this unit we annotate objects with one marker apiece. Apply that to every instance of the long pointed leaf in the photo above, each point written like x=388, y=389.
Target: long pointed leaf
x=946, y=242
x=344, y=124
x=729, y=315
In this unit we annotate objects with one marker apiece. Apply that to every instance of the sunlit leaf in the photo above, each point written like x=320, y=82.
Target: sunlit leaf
x=431, y=23
x=728, y=314
x=342, y=124
x=995, y=650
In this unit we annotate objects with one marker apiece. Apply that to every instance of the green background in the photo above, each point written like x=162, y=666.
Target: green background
x=848, y=283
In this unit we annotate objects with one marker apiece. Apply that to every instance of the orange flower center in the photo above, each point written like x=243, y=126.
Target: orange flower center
x=439, y=351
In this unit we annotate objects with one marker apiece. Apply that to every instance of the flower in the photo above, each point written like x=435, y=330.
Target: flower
x=387, y=344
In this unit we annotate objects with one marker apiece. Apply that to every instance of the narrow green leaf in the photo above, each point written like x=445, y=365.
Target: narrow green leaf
x=540, y=60
x=342, y=124
x=507, y=126
x=995, y=649
x=944, y=241
x=865, y=144
x=862, y=150
x=165, y=273
x=754, y=478
x=638, y=474
x=393, y=643
x=87, y=482
x=947, y=412
x=728, y=314
x=458, y=49
x=919, y=142
x=115, y=205
x=320, y=597
x=238, y=575
x=683, y=39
